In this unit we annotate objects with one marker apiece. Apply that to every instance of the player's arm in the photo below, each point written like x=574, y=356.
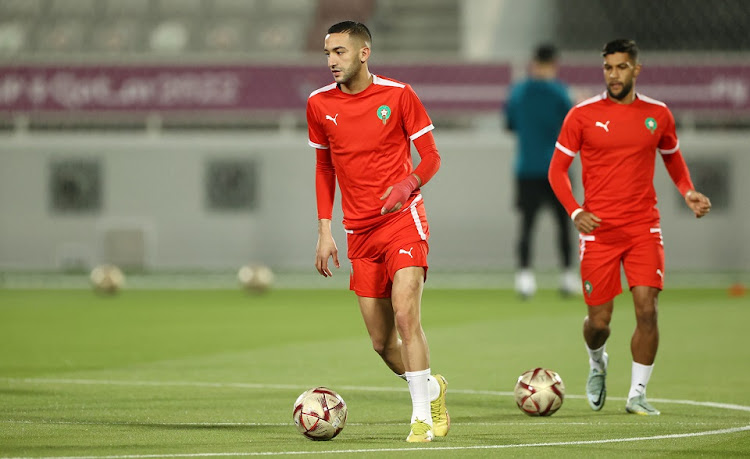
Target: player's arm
x=669, y=148
x=395, y=196
x=325, y=189
x=559, y=180
x=678, y=171
x=509, y=110
x=567, y=146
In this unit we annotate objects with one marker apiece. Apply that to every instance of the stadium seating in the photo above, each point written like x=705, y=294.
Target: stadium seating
x=170, y=36
x=224, y=35
x=117, y=36
x=413, y=26
x=179, y=8
x=21, y=9
x=13, y=38
x=332, y=11
x=60, y=36
x=72, y=8
x=130, y=8
x=225, y=26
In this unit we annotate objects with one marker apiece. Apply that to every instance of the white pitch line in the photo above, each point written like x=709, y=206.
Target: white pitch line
x=420, y=449
x=362, y=451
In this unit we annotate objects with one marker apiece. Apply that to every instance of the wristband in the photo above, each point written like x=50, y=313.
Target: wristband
x=575, y=213
x=400, y=192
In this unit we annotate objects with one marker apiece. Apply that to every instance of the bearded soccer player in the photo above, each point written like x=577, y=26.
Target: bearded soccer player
x=361, y=127
x=618, y=134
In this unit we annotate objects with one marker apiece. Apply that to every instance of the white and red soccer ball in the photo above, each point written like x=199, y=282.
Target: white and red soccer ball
x=107, y=279
x=539, y=392
x=255, y=278
x=319, y=413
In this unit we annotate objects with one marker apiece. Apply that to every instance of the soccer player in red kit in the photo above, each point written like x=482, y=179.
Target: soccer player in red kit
x=618, y=134
x=361, y=127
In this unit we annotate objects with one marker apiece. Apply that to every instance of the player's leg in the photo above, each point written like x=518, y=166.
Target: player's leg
x=369, y=280
x=600, y=271
x=645, y=340
x=406, y=261
x=379, y=315
x=372, y=280
x=643, y=345
x=527, y=203
x=380, y=322
x=595, y=333
x=644, y=268
x=406, y=297
x=428, y=391
x=596, y=329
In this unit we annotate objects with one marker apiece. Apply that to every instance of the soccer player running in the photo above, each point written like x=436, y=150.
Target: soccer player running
x=361, y=127
x=536, y=108
x=618, y=134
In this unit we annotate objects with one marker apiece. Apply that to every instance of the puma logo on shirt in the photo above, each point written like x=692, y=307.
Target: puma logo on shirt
x=406, y=252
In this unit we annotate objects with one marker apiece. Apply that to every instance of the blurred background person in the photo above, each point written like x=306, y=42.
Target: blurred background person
x=535, y=110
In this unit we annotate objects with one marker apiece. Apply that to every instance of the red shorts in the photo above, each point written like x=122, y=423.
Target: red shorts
x=639, y=249
x=376, y=254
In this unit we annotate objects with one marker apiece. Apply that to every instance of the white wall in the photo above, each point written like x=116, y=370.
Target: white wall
x=506, y=29
x=157, y=183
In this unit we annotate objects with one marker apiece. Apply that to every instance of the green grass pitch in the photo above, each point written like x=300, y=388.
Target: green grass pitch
x=154, y=373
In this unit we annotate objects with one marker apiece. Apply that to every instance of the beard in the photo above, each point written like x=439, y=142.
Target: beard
x=347, y=74
x=626, y=88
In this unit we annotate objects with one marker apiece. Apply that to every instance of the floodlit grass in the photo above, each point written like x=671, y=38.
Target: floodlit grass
x=215, y=372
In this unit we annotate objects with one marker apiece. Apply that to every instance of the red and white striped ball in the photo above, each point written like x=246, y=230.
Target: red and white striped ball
x=539, y=392
x=320, y=413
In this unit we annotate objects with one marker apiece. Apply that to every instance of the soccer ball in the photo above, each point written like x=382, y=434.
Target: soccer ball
x=255, y=278
x=107, y=278
x=539, y=392
x=320, y=413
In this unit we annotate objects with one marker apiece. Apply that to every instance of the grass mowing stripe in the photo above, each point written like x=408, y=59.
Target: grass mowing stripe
x=727, y=406
x=285, y=424
x=421, y=449
x=225, y=350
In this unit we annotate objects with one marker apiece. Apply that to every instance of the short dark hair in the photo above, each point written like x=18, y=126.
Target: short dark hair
x=621, y=45
x=353, y=28
x=545, y=53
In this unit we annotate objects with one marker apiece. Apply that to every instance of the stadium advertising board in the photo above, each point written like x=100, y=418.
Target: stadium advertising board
x=695, y=88
x=244, y=88
x=273, y=88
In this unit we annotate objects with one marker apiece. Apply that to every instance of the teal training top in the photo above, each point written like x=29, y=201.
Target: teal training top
x=535, y=111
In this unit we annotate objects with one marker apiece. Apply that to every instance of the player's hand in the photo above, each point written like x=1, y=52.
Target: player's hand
x=698, y=203
x=325, y=249
x=395, y=196
x=586, y=222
